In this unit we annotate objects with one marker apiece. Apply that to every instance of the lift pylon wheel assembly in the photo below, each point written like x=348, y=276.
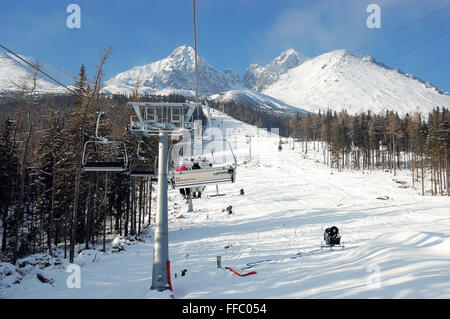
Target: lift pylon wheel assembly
x=151, y=117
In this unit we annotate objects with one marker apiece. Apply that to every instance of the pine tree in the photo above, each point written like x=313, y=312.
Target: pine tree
x=9, y=174
x=51, y=153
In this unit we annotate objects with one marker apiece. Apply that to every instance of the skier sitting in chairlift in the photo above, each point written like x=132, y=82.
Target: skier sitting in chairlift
x=185, y=192
x=197, y=191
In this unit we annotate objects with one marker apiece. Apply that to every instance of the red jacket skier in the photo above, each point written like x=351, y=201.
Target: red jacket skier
x=185, y=192
x=181, y=167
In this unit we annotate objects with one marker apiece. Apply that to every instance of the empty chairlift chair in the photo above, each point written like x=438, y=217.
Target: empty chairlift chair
x=94, y=162
x=143, y=166
x=97, y=154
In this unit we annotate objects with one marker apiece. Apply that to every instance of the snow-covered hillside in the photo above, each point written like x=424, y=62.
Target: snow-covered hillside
x=255, y=99
x=339, y=80
x=397, y=243
x=15, y=74
x=176, y=72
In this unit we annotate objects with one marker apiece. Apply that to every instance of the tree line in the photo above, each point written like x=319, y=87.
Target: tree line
x=366, y=141
x=46, y=199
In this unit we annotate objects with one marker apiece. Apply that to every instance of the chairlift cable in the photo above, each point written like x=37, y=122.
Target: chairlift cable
x=419, y=46
x=434, y=65
x=411, y=38
x=402, y=28
x=39, y=70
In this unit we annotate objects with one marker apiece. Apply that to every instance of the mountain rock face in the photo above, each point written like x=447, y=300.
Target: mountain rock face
x=259, y=78
x=339, y=80
x=234, y=78
x=176, y=72
x=251, y=75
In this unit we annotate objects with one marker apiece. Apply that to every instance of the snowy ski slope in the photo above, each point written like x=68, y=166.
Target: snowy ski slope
x=395, y=248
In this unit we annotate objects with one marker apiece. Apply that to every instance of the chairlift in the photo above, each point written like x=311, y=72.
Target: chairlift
x=92, y=160
x=210, y=175
x=383, y=146
x=142, y=165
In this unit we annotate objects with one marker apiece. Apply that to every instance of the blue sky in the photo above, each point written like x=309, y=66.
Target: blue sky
x=231, y=33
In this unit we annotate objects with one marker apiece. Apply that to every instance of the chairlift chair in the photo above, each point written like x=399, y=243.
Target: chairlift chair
x=94, y=163
x=203, y=177
x=210, y=175
x=142, y=166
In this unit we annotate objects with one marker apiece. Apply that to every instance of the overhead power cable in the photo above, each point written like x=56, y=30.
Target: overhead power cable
x=419, y=46
x=403, y=28
x=434, y=65
x=411, y=38
x=40, y=71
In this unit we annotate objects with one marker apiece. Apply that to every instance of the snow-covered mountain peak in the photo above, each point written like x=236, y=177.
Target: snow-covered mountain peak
x=184, y=55
x=342, y=80
x=251, y=75
x=289, y=51
x=176, y=72
x=231, y=73
x=256, y=68
x=288, y=59
x=259, y=78
x=183, y=50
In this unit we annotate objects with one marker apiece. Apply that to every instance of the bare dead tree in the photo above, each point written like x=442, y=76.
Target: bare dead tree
x=26, y=96
x=94, y=96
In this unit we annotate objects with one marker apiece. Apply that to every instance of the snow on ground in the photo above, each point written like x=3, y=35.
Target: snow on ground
x=395, y=247
x=254, y=99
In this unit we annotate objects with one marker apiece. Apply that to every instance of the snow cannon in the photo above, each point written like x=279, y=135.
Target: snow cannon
x=331, y=236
